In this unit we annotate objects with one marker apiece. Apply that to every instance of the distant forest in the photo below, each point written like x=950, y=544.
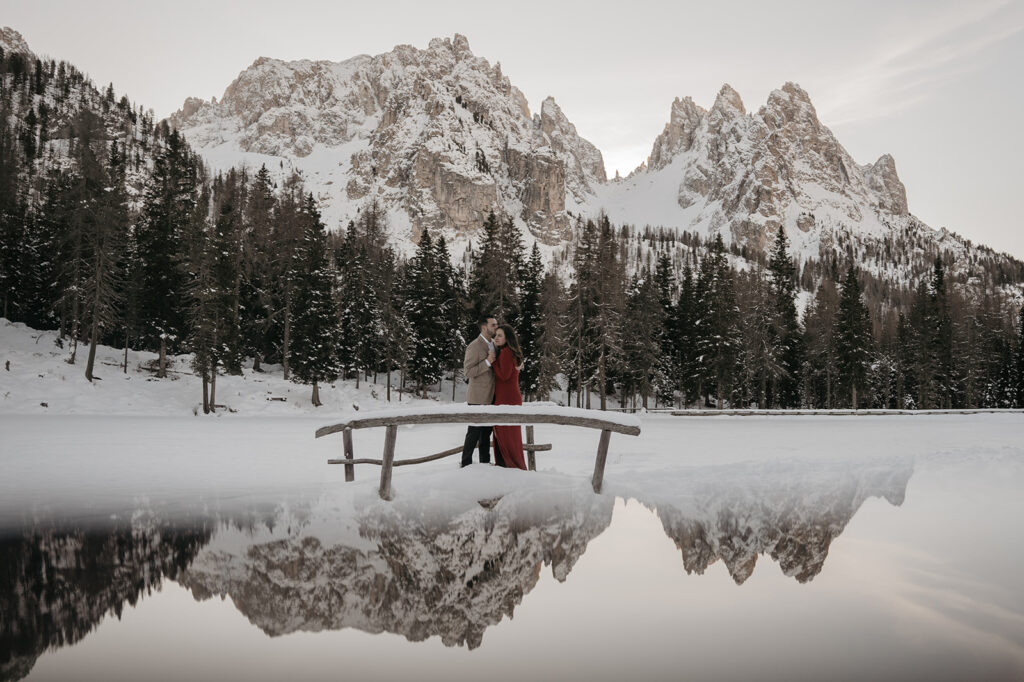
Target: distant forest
x=112, y=231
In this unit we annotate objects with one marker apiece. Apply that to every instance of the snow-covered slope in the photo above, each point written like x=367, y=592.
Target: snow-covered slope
x=744, y=175
x=438, y=136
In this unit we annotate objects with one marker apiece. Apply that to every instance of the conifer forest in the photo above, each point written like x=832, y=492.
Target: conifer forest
x=113, y=232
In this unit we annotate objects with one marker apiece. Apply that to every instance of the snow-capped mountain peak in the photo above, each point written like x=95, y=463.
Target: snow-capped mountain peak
x=438, y=136
x=12, y=41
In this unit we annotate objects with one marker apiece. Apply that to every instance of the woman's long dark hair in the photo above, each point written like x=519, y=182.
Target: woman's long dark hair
x=512, y=342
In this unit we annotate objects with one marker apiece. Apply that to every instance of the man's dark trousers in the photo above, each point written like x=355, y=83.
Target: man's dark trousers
x=477, y=436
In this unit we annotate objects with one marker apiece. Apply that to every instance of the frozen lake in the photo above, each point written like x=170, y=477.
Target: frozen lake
x=778, y=548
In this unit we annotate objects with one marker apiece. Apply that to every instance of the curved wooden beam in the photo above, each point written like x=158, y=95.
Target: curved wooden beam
x=491, y=418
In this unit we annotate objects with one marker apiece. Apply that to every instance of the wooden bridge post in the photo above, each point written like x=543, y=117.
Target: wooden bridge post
x=350, y=470
x=388, y=461
x=530, y=458
x=602, y=455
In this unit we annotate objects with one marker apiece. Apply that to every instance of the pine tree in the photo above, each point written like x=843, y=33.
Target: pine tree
x=853, y=339
x=394, y=333
x=449, y=284
x=786, y=326
x=313, y=355
x=494, y=277
x=169, y=203
x=666, y=380
x=424, y=309
x=550, y=342
x=940, y=342
x=642, y=341
x=717, y=321
x=359, y=314
x=106, y=241
x=287, y=236
x=820, y=365
x=255, y=295
x=759, y=360
x=1019, y=361
x=227, y=272
x=608, y=282
x=530, y=323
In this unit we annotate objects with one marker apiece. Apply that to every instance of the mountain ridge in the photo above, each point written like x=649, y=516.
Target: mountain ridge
x=441, y=137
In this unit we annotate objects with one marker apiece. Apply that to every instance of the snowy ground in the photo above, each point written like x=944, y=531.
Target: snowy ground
x=915, y=519
x=40, y=381
x=149, y=444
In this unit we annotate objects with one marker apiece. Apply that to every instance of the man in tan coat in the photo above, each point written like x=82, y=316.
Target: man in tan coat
x=477, y=367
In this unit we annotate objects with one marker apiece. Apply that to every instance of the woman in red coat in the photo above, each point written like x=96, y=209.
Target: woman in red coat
x=508, y=440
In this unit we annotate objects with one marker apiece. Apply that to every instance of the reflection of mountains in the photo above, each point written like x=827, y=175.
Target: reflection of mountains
x=450, y=575
x=449, y=572
x=792, y=513
x=56, y=585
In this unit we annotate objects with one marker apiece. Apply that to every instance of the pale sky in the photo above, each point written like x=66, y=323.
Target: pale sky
x=936, y=84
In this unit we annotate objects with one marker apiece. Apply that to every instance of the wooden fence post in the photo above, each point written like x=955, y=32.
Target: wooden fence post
x=350, y=470
x=387, y=462
x=530, y=458
x=602, y=455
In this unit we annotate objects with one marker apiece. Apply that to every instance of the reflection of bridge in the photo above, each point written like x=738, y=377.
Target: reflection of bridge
x=451, y=573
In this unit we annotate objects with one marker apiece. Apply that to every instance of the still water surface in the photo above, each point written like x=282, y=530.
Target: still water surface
x=875, y=568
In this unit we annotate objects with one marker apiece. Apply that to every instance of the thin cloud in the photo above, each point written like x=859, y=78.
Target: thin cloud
x=905, y=73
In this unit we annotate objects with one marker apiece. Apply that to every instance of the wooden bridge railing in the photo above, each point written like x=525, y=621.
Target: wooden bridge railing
x=496, y=415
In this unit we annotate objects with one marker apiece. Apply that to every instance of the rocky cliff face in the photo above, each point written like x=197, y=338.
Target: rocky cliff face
x=745, y=174
x=439, y=136
x=12, y=41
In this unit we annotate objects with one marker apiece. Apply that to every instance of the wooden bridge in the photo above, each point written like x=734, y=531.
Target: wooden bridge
x=483, y=415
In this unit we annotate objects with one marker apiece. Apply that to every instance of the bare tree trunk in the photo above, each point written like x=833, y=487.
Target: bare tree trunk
x=126, y=351
x=213, y=389
x=256, y=362
x=74, y=330
x=91, y=362
x=316, y=395
x=287, y=340
x=854, y=398
x=719, y=401
x=94, y=330
x=601, y=378
x=161, y=371
x=389, y=385
x=206, y=393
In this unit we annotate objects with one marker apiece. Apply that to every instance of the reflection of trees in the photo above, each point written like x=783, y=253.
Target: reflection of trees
x=415, y=570
x=789, y=513
x=450, y=575
x=56, y=585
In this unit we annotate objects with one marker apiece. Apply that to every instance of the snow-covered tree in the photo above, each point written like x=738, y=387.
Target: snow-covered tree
x=315, y=326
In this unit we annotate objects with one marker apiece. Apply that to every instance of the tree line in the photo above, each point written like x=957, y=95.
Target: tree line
x=112, y=231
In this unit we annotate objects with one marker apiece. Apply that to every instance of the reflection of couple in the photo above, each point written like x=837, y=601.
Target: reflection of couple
x=492, y=365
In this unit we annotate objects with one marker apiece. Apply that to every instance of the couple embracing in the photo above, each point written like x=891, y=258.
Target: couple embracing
x=492, y=365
